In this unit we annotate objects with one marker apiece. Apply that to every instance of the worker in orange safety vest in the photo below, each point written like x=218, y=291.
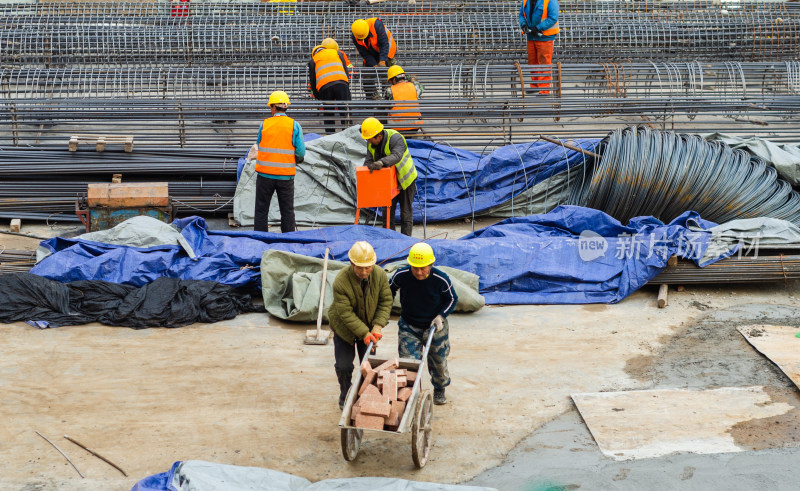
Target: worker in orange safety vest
x=539, y=21
x=404, y=116
x=329, y=80
x=279, y=149
x=377, y=48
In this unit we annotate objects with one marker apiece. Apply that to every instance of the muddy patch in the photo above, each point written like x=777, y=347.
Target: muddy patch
x=776, y=432
x=595, y=307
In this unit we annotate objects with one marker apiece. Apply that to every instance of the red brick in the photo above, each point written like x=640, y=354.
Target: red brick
x=410, y=377
x=366, y=383
x=388, y=365
x=395, y=415
x=355, y=411
x=401, y=381
x=389, y=388
x=366, y=368
x=375, y=408
x=404, y=394
x=372, y=393
x=368, y=422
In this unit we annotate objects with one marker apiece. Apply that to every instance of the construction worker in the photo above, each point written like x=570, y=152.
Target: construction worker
x=427, y=297
x=386, y=148
x=329, y=81
x=539, y=21
x=362, y=302
x=280, y=148
x=376, y=46
x=404, y=116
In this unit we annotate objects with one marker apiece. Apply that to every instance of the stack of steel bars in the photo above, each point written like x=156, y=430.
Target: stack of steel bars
x=733, y=270
x=16, y=261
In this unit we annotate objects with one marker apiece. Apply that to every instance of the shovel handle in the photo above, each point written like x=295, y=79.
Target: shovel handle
x=322, y=292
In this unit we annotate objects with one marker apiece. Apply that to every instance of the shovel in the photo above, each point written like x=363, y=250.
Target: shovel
x=317, y=336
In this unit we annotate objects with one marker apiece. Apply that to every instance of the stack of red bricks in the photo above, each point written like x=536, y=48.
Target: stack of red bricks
x=382, y=396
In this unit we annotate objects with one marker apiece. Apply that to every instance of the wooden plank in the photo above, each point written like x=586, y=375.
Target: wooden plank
x=663, y=293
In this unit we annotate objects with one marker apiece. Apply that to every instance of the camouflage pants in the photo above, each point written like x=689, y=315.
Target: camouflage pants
x=411, y=343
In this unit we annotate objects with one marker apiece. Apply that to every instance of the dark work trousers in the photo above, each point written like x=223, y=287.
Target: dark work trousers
x=265, y=188
x=406, y=200
x=335, y=91
x=345, y=353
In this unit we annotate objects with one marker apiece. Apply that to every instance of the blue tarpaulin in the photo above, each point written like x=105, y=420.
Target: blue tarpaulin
x=571, y=255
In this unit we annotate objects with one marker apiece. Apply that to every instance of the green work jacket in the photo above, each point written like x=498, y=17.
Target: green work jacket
x=353, y=313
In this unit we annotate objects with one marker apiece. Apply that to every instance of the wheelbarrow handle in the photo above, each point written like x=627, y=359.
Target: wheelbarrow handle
x=431, y=332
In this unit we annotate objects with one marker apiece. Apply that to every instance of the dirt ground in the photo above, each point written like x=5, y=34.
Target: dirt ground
x=249, y=392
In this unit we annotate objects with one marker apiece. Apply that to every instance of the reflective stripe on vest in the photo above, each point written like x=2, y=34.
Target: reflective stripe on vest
x=549, y=32
x=275, y=148
x=406, y=171
x=405, y=117
x=328, y=67
x=373, y=39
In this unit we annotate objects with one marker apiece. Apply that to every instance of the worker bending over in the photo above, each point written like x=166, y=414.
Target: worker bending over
x=427, y=297
x=404, y=116
x=362, y=302
x=377, y=47
x=328, y=76
x=539, y=21
x=388, y=148
x=279, y=148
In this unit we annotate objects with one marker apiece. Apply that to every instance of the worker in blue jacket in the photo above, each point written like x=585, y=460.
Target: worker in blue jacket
x=539, y=21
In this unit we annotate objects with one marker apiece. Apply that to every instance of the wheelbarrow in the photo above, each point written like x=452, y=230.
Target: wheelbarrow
x=416, y=418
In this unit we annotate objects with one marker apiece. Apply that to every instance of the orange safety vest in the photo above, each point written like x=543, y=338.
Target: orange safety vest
x=405, y=113
x=275, y=149
x=372, y=39
x=328, y=67
x=550, y=32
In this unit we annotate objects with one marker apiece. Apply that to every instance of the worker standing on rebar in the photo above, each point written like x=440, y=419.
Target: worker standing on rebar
x=539, y=20
x=362, y=302
x=327, y=73
x=427, y=297
x=280, y=148
x=377, y=48
x=404, y=116
x=386, y=148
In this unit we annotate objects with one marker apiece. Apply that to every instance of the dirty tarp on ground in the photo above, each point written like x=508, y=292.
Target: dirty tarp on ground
x=749, y=235
x=785, y=158
x=166, y=302
x=290, y=284
x=451, y=182
x=570, y=255
x=198, y=475
x=139, y=231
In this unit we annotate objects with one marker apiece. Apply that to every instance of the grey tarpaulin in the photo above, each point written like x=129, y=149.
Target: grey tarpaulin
x=785, y=158
x=198, y=475
x=752, y=234
x=140, y=231
x=291, y=285
x=324, y=187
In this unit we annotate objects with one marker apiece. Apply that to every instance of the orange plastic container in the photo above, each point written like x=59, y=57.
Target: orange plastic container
x=375, y=189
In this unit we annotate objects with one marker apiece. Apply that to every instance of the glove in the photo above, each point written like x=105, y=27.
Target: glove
x=382, y=63
x=370, y=338
x=525, y=30
x=375, y=166
x=534, y=31
x=377, y=331
x=438, y=321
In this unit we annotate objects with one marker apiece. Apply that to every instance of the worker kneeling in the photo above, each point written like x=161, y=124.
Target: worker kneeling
x=404, y=116
x=388, y=148
x=362, y=302
x=427, y=297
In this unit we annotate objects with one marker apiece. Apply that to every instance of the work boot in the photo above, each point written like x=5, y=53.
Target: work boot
x=438, y=397
x=345, y=381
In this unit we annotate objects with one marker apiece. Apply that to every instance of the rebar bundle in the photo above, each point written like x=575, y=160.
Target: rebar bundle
x=733, y=270
x=255, y=33
x=663, y=174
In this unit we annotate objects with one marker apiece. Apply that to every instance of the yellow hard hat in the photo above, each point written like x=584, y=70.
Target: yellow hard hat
x=360, y=29
x=330, y=43
x=279, y=97
x=370, y=127
x=362, y=254
x=421, y=255
x=394, y=71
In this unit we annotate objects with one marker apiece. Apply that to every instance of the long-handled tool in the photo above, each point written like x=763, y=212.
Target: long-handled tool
x=319, y=336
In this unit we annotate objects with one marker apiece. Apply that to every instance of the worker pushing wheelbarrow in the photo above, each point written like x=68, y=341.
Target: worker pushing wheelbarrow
x=387, y=396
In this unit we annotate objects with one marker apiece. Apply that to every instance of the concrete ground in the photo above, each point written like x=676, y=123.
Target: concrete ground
x=249, y=392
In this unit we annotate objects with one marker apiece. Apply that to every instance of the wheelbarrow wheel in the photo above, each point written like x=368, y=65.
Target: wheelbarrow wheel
x=351, y=443
x=422, y=429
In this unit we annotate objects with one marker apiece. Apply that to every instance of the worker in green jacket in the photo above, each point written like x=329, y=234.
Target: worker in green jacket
x=362, y=302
